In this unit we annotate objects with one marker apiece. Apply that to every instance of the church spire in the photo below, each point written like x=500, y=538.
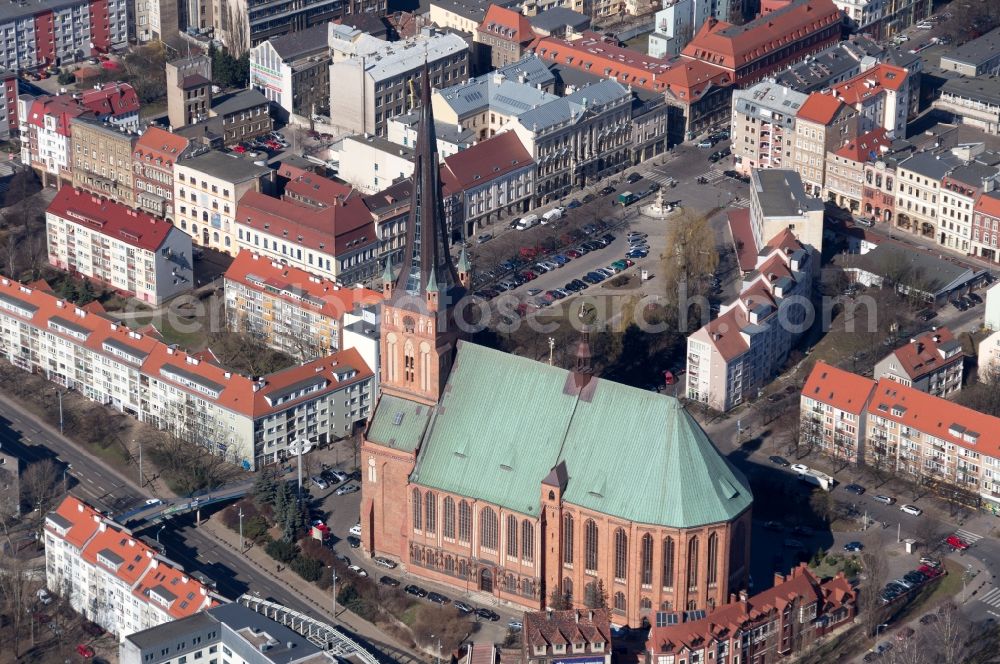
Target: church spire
x=427, y=272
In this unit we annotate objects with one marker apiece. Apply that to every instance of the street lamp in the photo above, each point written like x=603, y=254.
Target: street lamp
x=333, y=579
x=65, y=470
x=158, y=533
x=879, y=629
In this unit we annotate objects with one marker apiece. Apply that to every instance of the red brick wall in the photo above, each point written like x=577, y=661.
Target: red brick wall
x=100, y=32
x=45, y=47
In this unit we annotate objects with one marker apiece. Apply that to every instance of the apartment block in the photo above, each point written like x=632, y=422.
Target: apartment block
x=287, y=308
x=918, y=191
x=370, y=163
x=845, y=168
x=931, y=362
x=878, y=193
x=823, y=124
x=881, y=96
x=207, y=188
x=8, y=104
x=117, y=104
x=155, y=155
x=505, y=33
x=390, y=211
x=986, y=225
x=50, y=31
x=989, y=359
x=832, y=412
x=763, y=126
x=189, y=90
x=102, y=159
x=247, y=421
x=293, y=72
x=139, y=255
x=372, y=80
x=972, y=101
x=111, y=577
x=336, y=243
x=959, y=190
x=732, y=357
x=977, y=57
x=778, y=202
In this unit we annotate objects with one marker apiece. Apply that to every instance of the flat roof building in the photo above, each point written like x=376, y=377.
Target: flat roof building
x=978, y=57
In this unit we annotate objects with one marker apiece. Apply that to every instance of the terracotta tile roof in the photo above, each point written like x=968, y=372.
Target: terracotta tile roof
x=339, y=370
x=312, y=188
x=111, y=219
x=739, y=226
x=841, y=389
x=544, y=628
x=332, y=231
x=80, y=519
x=867, y=147
x=297, y=286
x=63, y=108
x=870, y=83
x=118, y=552
x=594, y=53
x=157, y=142
x=173, y=590
x=937, y=417
x=485, y=161
x=507, y=24
x=820, y=108
x=926, y=353
x=735, y=46
x=724, y=333
x=784, y=240
x=989, y=204
x=688, y=80
x=111, y=99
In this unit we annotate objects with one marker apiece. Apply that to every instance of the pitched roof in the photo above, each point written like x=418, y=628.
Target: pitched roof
x=545, y=628
x=109, y=218
x=662, y=470
x=173, y=590
x=841, y=389
x=312, y=188
x=238, y=101
x=820, y=108
x=866, y=148
x=160, y=143
x=871, y=82
x=488, y=160
x=118, y=552
x=62, y=108
x=572, y=106
x=77, y=519
x=602, y=56
x=688, y=80
x=300, y=43
x=941, y=418
x=507, y=24
x=928, y=353
x=742, y=232
x=111, y=99
x=988, y=203
x=724, y=334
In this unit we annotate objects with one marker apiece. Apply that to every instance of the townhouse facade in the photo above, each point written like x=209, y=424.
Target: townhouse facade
x=832, y=410
x=577, y=139
x=763, y=126
x=986, y=226
x=931, y=362
x=959, y=190
x=289, y=309
x=207, y=189
x=45, y=136
x=102, y=159
x=111, y=577
x=136, y=254
x=155, y=155
x=549, y=637
x=881, y=96
x=505, y=33
x=918, y=182
x=246, y=421
x=878, y=194
x=822, y=125
x=293, y=72
x=390, y=210
x=845, y=168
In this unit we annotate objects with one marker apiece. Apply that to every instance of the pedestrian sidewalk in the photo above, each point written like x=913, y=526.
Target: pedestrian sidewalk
x=320, y=600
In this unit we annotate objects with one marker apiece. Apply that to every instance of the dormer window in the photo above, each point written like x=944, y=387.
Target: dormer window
x=559, y=647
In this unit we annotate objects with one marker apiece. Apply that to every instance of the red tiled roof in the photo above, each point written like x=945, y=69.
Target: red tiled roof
x=688, y=80
x=312, y=188
x=739, y=226
x=838, y=388
x=725, y=334
x=332, y=231
x=819, y=108
x=159, y=143
x=131, y=555
x=870, y=83
x=570, y=626
x=507, y=24
x=734, y=46
x=111, y=219
x=923, y=355
x=988, y=204
x=785, y=241
x=593, y=53
x=937, y=417
x=867, y=147
x=63, y=108
x=189, y=595
x=111, y=99
x=310, y=291
x=83, y=518
x=488, y=160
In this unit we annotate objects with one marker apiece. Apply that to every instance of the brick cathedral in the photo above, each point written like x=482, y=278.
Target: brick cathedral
x=500, y=475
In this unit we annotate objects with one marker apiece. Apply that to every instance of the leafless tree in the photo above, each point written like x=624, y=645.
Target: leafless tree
x=875, y=568
x=951, y=634
x=41, y=485
x=238, y=32
x=17, y=594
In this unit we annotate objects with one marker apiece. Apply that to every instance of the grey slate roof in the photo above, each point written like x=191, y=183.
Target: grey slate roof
x=816, y=72
x=474, y=10
x=977, y=51
x=972, y=173
x=571, y=106
x=558, y=18
x=444, y=131
x=530, y=70
x=509, y=90
x=238, y=101
x=978, y=89
x=928, y=164
x=302, y=43
x=228, y=167
x=781, y=193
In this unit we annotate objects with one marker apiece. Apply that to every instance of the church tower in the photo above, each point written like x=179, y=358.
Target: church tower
x=419, y=334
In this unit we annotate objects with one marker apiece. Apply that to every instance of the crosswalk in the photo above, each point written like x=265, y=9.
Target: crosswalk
x=968, y=537
x=991, y=598
x=714, y=175
x=659, y=177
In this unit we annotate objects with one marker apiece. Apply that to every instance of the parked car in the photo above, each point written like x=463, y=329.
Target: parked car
x=607, y=190
x=885, y=500
x=85, y=651
x=319, y=482
x=485, y=237
x=463, y=608
x=515, y=625
x=856, y=489
x=575, y=203
x=633, y=178
x=912, y=510
x=347, y=488
x=975, y=298
x=353, y=542
x=799, y=468
x=357, y=570
x=853, y=546
x=778, y=461
x=415, y=590
x=487, y=614
x=438, y=598
x=44, y=597
x=956, y=543
x=356, y=529
x=926, y=315
x=930, y=562
x=705, y=144
x=389, y=581
x=384, y=562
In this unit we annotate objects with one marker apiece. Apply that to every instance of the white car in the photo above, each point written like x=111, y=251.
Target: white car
x=44, y=597
x=357, y=570
x=912, y=510
x=151, y=502
x=356, y=530
x=886, y=500
x=799, y=468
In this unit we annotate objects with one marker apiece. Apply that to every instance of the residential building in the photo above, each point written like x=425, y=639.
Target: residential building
x=487, y=103
x=492, y=179
x=699, y=95
x=505, y=34
x=50, y=31
x=463, y=15
x=157, y=152
x=926, y=276
x=289, y=309
x=189, y=90
x=976, y=57
x=593, y=123
x=45, y=136
x=293, y=72
x=991, y=316
x=102, y=159
x=931, y=362
x=673, y=28
x=959, y=190
x=550, y=636
x=112, y=578
x=989, y=359
x=114, y=103
x=834, y=64
x=787, y=618
x=845, y=168
x=823, y=124
x=207, y=188
x=165, y=18
x=918, y=187
x=763, y=126
x=243, y=25
x=881, y=96
x=878, y=194
x=246, y=635
x=370, y=163
x=247, y=421
x=972, y=101
x=337, y=243
x=390, y=211
x=750, y=52
x=986, y=228
x=371, y=80
x=777, y=202
x=955, y=453
x=243, y=116
x=451, y=138
x=139, y=255
x=650, y=123
x=733, y=357
x=833, y=406
x=8, y=104
x=306, y=187
x=557, y=21
x=604, y=56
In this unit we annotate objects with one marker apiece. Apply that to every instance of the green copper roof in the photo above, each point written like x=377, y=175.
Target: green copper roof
x=463, y=261
x=398, y=423
x=387, y=275
x=505, y=421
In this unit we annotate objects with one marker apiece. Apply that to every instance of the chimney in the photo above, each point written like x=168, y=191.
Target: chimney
x=743, y=595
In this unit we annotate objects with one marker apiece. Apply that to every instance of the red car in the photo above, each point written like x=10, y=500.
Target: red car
x=957, y=543
x=85, y=651
x=528, y=275
x=928, y=571
x=573, y=253
x=240, y=149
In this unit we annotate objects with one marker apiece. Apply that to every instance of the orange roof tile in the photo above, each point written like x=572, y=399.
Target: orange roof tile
x=724, y=333
x=161, y=143
x=594, y=53
x=507, y=24
x=111, y=219
x=988, y=204
x=83, y=520
x=925, y=354
x=120, y=553
x=739, y=226
x=819, y=108
x=869, y=83
x=172, y=589
x=867, y=147
x=838, y=388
